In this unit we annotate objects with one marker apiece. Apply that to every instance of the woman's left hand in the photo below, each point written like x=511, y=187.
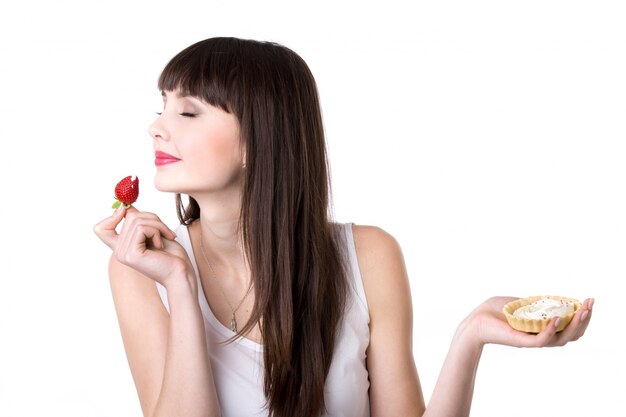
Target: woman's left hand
x=489, y=325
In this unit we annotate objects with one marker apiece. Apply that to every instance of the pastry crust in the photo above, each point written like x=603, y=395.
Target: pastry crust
x=532, y=325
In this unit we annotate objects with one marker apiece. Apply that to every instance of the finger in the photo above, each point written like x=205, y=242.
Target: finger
x=133, y=243
x=530, y=340
x=588, y=304
x=105, y=229
x=582, y=318
x=145, y=236
x=135, y=217
x=152, y=222
x=585, y=311
x=547, y=335
x=577, y=326
x=156, y=241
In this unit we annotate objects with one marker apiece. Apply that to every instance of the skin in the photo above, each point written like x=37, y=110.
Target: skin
x=167, y=352
x=395, y=388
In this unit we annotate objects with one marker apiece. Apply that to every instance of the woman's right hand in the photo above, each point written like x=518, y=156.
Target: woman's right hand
x=145, y=244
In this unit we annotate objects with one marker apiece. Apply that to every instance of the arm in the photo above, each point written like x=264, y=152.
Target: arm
x=454, y=390
x=395, y=388
x=167, y=354
x=487, y=324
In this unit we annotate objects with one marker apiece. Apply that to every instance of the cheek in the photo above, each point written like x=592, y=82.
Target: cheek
x=225, y=146
x=215, y=149
x=226, y=142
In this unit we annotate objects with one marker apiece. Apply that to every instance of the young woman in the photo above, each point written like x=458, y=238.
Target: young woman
x=258, y=304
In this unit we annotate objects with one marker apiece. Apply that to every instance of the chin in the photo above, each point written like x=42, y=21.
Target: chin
x=166, y=185
x=173, y=184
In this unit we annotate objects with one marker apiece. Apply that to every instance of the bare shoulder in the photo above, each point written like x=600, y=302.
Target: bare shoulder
x=372, y=241
x=382, y=266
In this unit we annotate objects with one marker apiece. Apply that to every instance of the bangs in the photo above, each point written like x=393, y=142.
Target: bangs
x=208, y=71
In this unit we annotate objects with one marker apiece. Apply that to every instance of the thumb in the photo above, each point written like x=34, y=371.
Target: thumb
x=105, y=229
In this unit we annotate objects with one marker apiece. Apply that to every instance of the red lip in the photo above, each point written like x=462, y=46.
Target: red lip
x=162, y=158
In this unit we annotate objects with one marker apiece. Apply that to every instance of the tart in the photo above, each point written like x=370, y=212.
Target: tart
x=533, y=314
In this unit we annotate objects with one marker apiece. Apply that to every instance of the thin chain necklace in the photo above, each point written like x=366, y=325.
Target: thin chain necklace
x=233, y=319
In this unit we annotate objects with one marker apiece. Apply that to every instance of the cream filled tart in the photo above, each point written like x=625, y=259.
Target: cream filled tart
x=533, y=314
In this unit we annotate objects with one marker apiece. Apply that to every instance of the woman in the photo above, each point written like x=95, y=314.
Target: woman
x=258, y=304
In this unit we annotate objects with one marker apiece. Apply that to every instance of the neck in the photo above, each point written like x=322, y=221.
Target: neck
x=221, y=238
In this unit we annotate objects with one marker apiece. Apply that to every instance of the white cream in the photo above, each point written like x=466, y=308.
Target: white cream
x=545, y=309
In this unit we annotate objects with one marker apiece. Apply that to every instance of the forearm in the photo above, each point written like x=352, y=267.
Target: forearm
x=188, y=388
x=452, y=396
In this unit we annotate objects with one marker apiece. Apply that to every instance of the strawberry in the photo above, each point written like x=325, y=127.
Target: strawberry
x=126, y=191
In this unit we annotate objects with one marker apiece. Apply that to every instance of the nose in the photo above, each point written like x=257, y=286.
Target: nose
x=157, y=130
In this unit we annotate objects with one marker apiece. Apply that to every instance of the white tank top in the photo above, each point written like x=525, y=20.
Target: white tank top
x=238, y=366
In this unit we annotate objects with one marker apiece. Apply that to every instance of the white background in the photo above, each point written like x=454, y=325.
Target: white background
x=487, y=136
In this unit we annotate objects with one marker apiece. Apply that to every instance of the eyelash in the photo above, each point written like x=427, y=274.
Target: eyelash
x=182, y=114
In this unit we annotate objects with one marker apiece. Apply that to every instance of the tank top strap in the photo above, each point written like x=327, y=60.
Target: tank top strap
x=353, y=267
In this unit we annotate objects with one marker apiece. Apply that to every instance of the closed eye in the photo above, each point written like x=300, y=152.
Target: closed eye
x=182, y=114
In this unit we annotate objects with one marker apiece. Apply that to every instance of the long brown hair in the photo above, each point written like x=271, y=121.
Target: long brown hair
x=297, y=269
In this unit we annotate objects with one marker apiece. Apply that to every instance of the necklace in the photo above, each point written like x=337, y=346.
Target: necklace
x=233, y=319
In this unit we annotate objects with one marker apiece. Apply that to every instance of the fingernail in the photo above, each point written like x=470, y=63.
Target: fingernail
x=590, y=305
x=556, y=322
x=583, y=316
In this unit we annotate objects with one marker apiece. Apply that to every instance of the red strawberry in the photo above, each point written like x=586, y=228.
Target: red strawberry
x=126, y=191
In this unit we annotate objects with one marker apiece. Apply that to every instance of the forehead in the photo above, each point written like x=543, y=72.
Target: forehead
x=178, y=95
